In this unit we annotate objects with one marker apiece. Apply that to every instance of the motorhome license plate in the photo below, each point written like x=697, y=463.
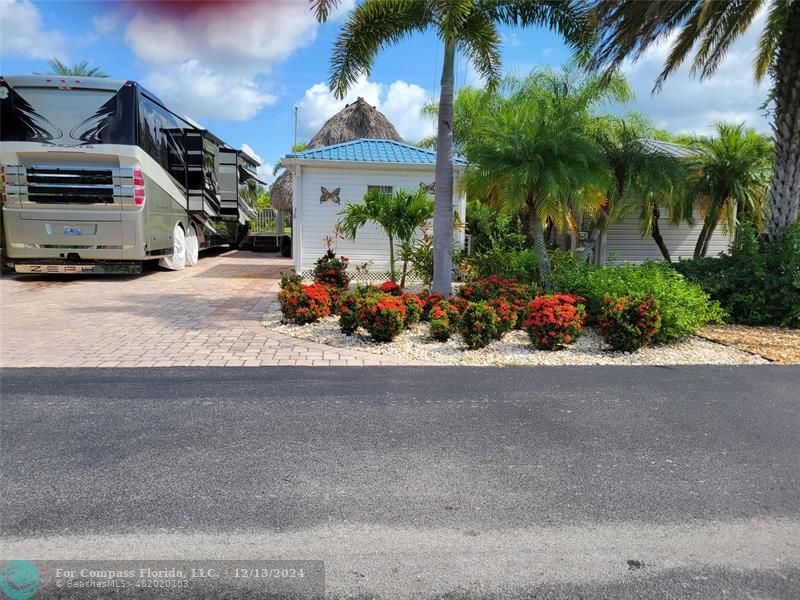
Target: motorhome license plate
x=72, y=230
x=54, y=268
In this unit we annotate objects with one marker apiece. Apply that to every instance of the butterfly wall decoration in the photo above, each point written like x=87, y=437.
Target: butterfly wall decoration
x=327, y=196
x=430, y=188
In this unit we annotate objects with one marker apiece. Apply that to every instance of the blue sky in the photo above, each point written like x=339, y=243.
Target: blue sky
x=240, y=69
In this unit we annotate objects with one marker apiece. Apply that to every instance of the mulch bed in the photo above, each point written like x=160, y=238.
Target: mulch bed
x=776, y=344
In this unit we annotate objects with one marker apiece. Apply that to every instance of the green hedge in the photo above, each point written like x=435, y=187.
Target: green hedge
x=757, y=283
x=684, y=305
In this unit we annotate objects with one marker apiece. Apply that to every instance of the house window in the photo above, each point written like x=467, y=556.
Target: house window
x=385, y=190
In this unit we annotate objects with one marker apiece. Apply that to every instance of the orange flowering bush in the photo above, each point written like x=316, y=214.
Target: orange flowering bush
x=391, y=288
x=517, y=294
x=629, y=322
x=349, y=305
x=305, y=303
x=506, y=315
x=382, y=316
x=554, y=320
x=440, y=323
x=413, y=309
x=478, y=325
x=429, y=300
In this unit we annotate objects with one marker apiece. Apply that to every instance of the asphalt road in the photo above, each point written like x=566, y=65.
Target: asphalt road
x=563, y=482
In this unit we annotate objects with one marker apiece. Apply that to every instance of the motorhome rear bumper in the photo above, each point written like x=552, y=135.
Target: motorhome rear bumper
x=47, y=267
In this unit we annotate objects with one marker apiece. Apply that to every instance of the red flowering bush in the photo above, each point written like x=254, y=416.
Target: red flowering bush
x=334, y=293
x=553, y=321
x=440, y=323
x=332, y=271
x=413, y=309
x=478, y=325
x=629, y=322
x=391, y=288
x=305, y=303
x=506, y=315
x=349, y=306
x=518, y=295
x=382, y=316
x=429, y=300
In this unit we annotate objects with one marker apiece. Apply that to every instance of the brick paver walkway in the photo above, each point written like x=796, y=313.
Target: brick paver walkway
x=208, y=315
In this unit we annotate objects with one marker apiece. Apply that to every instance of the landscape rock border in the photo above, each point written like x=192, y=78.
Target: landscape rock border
x=513, y=350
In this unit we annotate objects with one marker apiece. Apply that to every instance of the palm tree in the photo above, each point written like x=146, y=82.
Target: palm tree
x=80, y=69
x=643, y=179
x=468, y=26
x=400, y=215
x=730, y=177
x=628, y=27
x=535, y=152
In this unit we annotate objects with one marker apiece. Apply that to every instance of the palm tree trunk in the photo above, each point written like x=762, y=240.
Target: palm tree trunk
x=705, y=232
x=784, y=198
x=545, y=272
x=709, y=234
x=656, y=235
x=443, y=195
x=391, y=259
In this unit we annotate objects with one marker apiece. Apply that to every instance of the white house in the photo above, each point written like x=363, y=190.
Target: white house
x=325, y=179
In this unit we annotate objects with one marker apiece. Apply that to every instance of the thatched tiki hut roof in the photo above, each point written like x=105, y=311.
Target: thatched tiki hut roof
x=355, y=121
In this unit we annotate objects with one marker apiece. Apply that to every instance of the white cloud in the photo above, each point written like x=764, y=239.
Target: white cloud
x=201, y=92
x=246, y=36
x=105, y=23
x=22, y=32
x=686, y=104
x=400, y=101
x=210, y=59
x=265, y=168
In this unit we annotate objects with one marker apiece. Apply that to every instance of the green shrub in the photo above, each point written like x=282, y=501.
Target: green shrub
x=349, y=305
x=756, y=284
x=413, y=309
x=440, y=324
x=330, y=270
x=522, y=265
x=629, y=323
x=684, y=305
x=479, y=325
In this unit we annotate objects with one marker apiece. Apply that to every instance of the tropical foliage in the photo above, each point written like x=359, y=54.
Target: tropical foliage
x=730, y=180
x=399, y=215
x=81, y=69
x=531, y=153
x=627, y=28
x=466, y=26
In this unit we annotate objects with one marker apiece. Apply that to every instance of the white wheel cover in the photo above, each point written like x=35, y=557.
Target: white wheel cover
x=177, y=261
x=192, y=247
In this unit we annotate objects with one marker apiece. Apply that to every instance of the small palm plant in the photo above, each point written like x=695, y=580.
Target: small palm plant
x=81, y=69
x=399, y=215
x=729, y=178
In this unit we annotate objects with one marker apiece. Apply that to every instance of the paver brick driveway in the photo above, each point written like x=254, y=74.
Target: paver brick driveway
x=202, y=316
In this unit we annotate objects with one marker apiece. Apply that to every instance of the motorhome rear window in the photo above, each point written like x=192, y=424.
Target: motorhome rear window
x=71, y=117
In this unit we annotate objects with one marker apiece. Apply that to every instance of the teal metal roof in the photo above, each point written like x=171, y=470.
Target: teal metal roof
x=380, y=151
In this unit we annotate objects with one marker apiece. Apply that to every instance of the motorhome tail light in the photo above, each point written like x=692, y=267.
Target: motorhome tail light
x=138, y=187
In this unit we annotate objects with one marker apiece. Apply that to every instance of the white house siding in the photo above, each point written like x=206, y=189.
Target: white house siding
x=314, y=220
x=625, y=244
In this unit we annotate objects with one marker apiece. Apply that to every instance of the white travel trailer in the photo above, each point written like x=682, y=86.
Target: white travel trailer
x=99, y=176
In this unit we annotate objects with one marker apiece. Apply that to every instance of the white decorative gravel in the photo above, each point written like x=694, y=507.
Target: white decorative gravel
x=513, y=350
